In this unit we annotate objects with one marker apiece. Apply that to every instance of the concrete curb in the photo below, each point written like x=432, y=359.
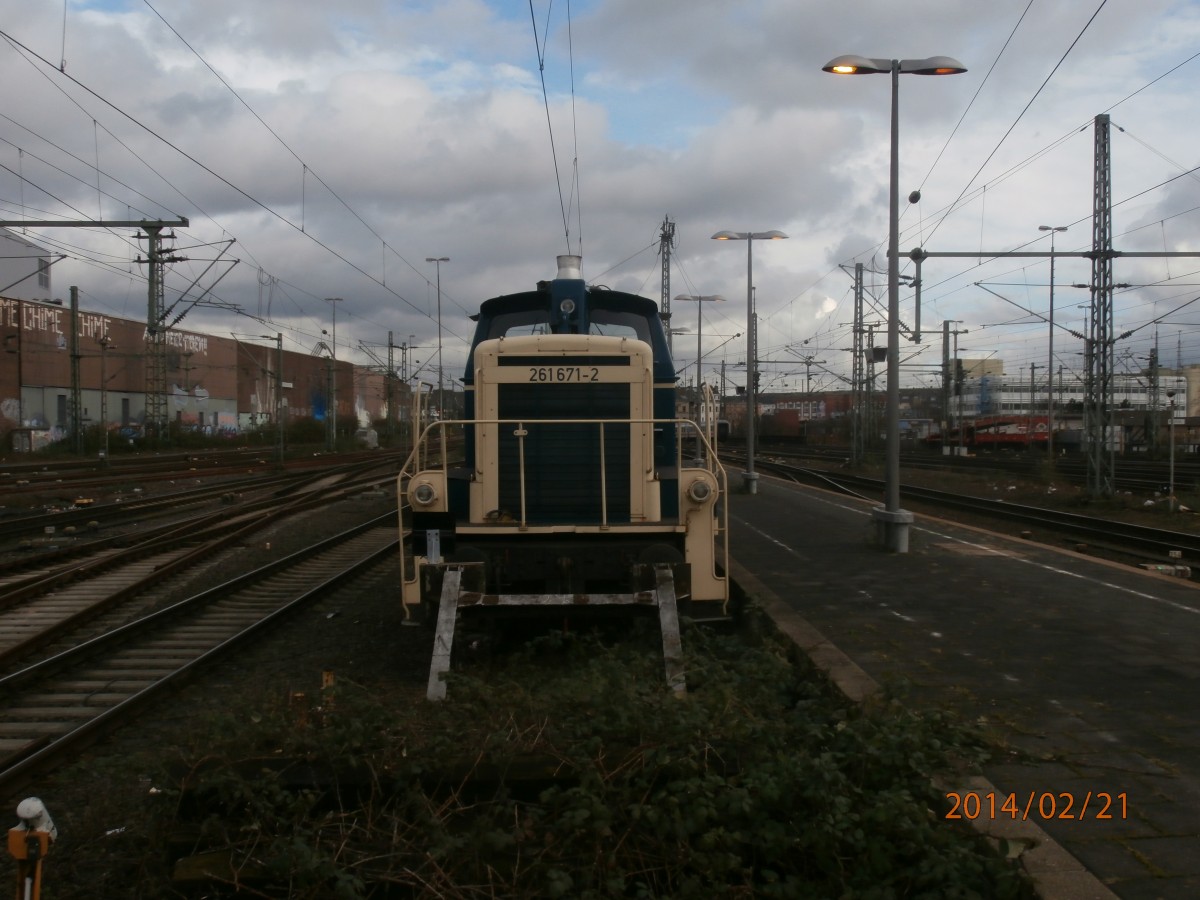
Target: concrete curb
x=1055, y=873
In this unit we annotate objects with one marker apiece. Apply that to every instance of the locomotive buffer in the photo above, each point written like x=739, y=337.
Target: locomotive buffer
x=454, y=597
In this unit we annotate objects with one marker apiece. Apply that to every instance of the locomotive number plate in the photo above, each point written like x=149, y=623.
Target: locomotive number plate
x=563, y=374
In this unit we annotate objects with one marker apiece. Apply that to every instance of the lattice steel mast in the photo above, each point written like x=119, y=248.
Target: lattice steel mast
x=156, y=330
x=1098, y=349
x=666, y=241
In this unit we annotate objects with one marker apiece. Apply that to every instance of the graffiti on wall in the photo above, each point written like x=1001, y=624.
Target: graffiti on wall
x=188, y=343
x=49, y=318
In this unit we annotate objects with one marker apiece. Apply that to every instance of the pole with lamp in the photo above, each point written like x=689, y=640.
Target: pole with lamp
x=699, y=300
x=750, y=477
x=892, y=522
x=437, y=261
x=1053, y=229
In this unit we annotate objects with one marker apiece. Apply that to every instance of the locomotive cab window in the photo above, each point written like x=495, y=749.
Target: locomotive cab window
x=522, y=323
x=618, y=323
x=531, y=322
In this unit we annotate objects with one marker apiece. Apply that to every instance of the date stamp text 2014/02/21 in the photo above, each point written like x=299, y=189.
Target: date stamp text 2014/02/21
x=1044, y=805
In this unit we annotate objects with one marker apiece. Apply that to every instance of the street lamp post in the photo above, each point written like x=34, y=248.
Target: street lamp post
x=699, y=299
x=892, y=521
x=750, y=477
x=437, y=261
x=1053, y=229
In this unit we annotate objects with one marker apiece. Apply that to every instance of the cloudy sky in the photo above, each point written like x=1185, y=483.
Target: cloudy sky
x=340, y=144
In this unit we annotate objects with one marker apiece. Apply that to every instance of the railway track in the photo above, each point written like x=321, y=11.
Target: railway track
x=67, y=532
x=97, y=679
x=129, y=506
x=1141, y=476
x=66, y=480
x=1125, y=542
x=39, y=604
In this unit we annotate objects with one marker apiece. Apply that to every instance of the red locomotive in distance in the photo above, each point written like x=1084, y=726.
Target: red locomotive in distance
x=1014, y=432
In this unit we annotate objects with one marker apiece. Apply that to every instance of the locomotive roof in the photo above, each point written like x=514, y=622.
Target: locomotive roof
x=570, y=306
x=597, y=298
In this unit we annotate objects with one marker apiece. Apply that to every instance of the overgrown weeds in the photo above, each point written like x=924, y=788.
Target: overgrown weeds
x=567, y=769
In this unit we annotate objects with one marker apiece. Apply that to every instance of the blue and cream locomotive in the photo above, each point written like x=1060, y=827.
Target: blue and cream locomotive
x=576, y=475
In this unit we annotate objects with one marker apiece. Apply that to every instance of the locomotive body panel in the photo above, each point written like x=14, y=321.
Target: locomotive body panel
x=572, y=478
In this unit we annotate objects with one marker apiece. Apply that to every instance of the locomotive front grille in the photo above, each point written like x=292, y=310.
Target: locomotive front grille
x=562, y=461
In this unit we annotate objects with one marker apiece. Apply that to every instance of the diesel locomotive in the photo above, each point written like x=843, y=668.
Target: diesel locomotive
x=571, y=474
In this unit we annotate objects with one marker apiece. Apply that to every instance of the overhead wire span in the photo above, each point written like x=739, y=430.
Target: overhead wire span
x=1155, y=81
x=576, y=187
x=540, y=48
x=1021, y=114
x=306, y=170
x=971, y=102
x=241, y=191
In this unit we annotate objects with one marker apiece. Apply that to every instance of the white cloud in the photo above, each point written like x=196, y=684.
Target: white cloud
x=420, y=129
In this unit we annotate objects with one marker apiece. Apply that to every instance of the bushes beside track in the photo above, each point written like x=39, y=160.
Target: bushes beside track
x=566, y=769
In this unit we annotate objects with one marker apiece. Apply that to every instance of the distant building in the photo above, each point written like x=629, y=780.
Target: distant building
x=25, y=268
x=214, y=384
x=990, y=395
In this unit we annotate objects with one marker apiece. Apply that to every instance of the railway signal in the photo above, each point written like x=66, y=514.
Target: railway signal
x=28, y=844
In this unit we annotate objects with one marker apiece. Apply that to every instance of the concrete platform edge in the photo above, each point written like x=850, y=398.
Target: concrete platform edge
x=1055, y=873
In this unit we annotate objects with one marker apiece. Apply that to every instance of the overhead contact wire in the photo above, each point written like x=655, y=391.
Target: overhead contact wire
x=541, y=58
x=1021, y=114
x=331, y=251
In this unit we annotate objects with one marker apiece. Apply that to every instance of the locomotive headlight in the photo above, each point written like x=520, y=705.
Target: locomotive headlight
x=567, y=306
x=424, y=494
x=699, y=491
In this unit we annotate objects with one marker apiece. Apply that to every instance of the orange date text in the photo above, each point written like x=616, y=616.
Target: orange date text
x=1043, y=805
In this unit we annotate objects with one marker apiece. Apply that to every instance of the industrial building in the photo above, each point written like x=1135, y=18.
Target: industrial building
x=65, y=366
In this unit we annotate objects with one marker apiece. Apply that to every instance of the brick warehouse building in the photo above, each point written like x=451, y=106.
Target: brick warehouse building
x=213, y=383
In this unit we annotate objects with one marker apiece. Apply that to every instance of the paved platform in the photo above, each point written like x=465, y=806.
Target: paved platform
x=1087, y=673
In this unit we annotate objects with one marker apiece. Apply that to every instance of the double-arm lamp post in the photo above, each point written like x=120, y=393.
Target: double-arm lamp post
x=750, y=477
x=892, y=522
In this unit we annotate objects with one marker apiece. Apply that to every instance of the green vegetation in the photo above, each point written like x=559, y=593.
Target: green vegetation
x=562, y=769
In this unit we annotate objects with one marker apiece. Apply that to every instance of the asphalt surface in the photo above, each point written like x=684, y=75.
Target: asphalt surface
x=1085, y=673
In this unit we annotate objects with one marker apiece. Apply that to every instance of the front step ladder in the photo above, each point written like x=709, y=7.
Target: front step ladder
x=454, y=597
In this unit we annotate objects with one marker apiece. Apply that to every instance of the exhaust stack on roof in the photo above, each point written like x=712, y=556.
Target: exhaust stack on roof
x=569, y=267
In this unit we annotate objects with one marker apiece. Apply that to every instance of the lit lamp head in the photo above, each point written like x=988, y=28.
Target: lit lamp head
x=852, y=64
x=749, y=235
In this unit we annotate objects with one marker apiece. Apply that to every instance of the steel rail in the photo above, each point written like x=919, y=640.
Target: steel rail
x=1094, y=531
x=147, y=562
x=221, y=619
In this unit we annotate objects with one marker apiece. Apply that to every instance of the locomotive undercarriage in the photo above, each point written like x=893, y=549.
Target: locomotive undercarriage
x=554, y=564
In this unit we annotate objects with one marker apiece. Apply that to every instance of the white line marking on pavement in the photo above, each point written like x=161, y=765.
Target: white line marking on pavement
x=1182, y=607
